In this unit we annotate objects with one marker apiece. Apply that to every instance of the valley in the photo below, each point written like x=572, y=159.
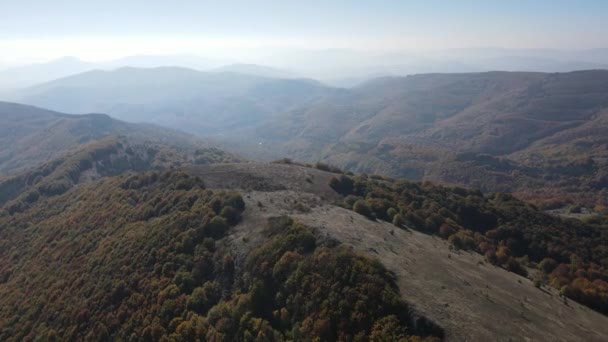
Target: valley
x=538, y=135
x=456, y=259
x=304, y=171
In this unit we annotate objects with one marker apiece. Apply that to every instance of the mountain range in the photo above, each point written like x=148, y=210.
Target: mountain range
x=337, y=67
x=116, y=230
x=208, y=251
x=174, y=97
x=539, y=135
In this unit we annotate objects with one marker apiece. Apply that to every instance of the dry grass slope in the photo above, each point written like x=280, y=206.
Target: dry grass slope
x=471, y=299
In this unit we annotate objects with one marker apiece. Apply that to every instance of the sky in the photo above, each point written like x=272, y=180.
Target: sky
x=101, y=30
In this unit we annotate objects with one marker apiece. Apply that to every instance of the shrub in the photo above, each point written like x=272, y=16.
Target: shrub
x=398, y=221
x=514, y=266
x=547, y=265
x=217, y=227
x=342, y=185
x=231, y=215
x=350, y=200
x=387, y=329
x=502, y=255
x=391, y=212
x=446, y=230
x=380, y=208
x=361, y=207
x=539, y=280
x=235, y=200
x=456, y=241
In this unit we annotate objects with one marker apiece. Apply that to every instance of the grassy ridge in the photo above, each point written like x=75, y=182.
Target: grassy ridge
x=569, y=254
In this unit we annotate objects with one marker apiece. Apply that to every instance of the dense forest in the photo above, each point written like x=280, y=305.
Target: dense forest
x=145, y=256
x=568, y=254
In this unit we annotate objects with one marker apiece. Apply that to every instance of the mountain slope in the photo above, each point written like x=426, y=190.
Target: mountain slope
x=106, y=157
x=539, y=135
x=496, y=113
x=207, y=252
x=149, y=256
x=542, y=132
x=186, y=99
x=461, y=291
x=31, y=136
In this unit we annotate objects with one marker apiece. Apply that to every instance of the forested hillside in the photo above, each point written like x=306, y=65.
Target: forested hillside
x=145, y=256
x=106, y=157
x=538, y=135
x=567, y=254
x=206, y=252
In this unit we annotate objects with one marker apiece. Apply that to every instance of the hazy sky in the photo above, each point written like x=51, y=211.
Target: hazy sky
x=97, y=30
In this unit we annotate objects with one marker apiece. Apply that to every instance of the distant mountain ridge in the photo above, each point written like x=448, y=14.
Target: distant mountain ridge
x=186, y=99
x=257, y=70
x=338, y=67
x=539, y=131
x=27, y=75
x=31, y=136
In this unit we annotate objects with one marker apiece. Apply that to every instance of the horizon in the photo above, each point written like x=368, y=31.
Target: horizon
x=237, y=60
x=36, y=31
x=342, y=68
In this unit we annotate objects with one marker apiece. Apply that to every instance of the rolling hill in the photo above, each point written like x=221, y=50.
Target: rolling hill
x=150, y=236
x=31, y=136
x=496, y=113
x=234, y=251
x=205, y=103
x=539, y=135
x=149, y=255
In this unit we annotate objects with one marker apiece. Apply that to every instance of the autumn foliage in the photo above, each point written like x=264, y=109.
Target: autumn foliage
x=515, y=235
x=149, y=257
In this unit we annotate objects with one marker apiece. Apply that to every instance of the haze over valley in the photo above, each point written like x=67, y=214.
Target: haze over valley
x=319, y=171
